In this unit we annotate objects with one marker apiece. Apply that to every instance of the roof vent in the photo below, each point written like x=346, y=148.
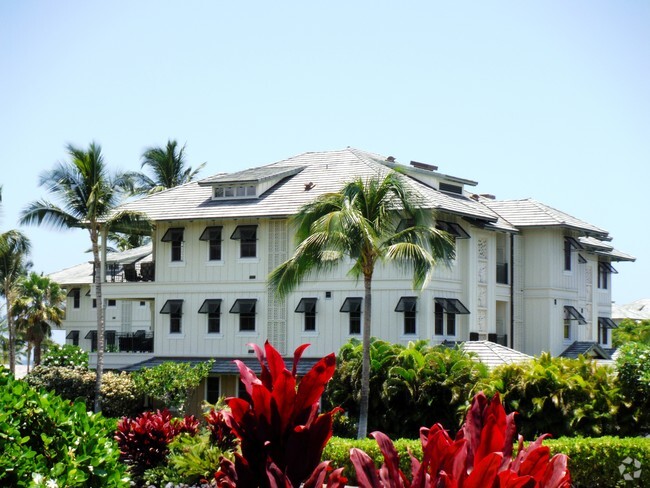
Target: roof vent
x=424, y=166
x=488, y=196
x=390, y=159
x=309, y=186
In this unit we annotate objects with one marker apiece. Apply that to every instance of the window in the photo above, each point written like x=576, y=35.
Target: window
x=450, y=188
x=175, y=310
x=604, y=324
x=174, y=235
x=94, y=303
x=240, y=191
x=604, y=270
x=112, y=302
x=570, y=244
x=247, y=237
x=92, y=335
x=212, y=307
x=109, y=340
x=452, y=228
x=408, y=306
x=213, y=237
x=73, y=337
x=445, y=313
x=212, y=389
x=245, y=307
x=75, y=293
x=308, y=307
x=353, y=307
x=571, y=314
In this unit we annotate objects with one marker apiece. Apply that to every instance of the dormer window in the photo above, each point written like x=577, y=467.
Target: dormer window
x=226, y=192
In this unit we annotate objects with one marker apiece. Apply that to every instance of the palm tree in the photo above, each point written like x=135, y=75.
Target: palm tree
x=168, y=167
x=89, y=196
x=124, y=242
x=367, y=221
x=14, y=248
x=38, y=305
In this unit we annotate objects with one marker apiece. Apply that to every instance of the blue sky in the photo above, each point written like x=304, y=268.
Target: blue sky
x=541, y=99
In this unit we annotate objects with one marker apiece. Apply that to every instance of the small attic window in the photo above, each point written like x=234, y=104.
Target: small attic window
x=227, y=192
x=451, y=188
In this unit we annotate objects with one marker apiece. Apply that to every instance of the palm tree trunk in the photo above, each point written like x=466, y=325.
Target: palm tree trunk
x=362, y=431
x=94, y=237
x=38, y=345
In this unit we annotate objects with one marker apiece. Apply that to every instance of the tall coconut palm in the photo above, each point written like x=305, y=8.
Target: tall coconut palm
x=38, y=305
x=168, y=167
x=14, y=249
x=88, y=195
x=361, y=222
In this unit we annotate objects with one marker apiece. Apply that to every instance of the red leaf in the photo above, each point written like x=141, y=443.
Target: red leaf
x=336, y=479
x=317, y=478
x=261, y=397
x=284, y=397
x=365, y=469
x=485, y=473
x=534, y=462
x=557, y=473
x=247, y=376
x=391, y=459
x=312, y=385
x=510, y=479
x=275, y=362
x=297, y=354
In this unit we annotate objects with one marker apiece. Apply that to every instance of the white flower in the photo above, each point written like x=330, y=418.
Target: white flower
x=37, y=477
x=51, y=484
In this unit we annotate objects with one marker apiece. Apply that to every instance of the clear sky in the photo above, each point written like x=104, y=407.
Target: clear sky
x=542, y=99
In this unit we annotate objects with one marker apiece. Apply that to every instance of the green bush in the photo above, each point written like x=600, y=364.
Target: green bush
x=633, y=365
x=120, y=397
x=195, y=457
x=45, y=439
x=562, y=397
x=67, y=356
x=593, y=462
x=418, y=384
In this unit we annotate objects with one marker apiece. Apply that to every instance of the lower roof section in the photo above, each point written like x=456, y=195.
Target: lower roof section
x=225, y=366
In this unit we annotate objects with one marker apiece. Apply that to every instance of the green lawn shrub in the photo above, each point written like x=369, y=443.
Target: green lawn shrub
x=120, y=397
x=633, y=365
x=593, y=462
x=46, y=439
x=418, y=384
x=67, y=355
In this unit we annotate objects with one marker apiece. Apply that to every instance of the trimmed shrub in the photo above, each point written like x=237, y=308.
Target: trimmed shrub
x=120, y=397
x=46, y=439
x=67, y=356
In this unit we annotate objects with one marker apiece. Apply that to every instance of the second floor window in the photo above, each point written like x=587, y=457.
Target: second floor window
x=212, y=235
x=212, y=307
x=570, y=244
x=174, y=236
x=445, y=312
x=247, y=237
x=353, y=307
x=408, y=306
x=604, y=270
x=307, y=306
x=75, y=293
x=175, y=310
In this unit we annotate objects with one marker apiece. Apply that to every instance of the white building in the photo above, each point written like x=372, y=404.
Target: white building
x=525, y=275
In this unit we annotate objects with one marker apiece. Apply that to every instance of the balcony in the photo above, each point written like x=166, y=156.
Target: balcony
x=130, y=272
x=123, y=342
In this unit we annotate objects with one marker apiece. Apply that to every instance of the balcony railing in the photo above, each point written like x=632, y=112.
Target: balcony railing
x=132, y=272
x=139, y=341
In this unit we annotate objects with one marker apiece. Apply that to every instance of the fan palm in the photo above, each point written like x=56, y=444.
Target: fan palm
x=89, y=195
x=14, y=248
x=168, y=167
x=38, y=305
x=361, y=222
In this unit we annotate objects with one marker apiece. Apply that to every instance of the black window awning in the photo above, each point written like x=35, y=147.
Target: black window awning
x=452, y=228
x=73, y=334
x=244, y=305
x=91, y=335
x=452, y=305
x=581, y=259
x=352, y=304
x=571, y=313
x=174, y=234
x=74, y=292
x=307, y=305
x=211, y=305
x=573, y=242
x=172, y=306
x=607, y=267
x=212, y=233
x=607, y=323
x=245, y=232
x=407, y=304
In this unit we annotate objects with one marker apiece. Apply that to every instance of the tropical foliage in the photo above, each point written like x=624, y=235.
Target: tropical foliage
x=172, y=382
x=168, y=167
x=38, y=305
x=560, y=396
x=369, y=221
x=631, y=331
x=417, y=383
x=88, y=195
x=67, y=356
x=633, y=366
x=48, y=441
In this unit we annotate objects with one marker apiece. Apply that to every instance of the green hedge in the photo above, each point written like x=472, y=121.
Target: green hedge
x=594, y=462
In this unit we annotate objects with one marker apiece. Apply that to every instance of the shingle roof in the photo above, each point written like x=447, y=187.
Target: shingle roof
x=585, y=348
x=492, y=354
x=531, y=213
x=637, y=310
x=224, y=365
x=254, y=174
x=327, y=171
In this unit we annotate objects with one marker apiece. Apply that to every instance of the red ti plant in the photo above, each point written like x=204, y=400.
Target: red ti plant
x=281, y=433
x=479, y=457
x=143, y=440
